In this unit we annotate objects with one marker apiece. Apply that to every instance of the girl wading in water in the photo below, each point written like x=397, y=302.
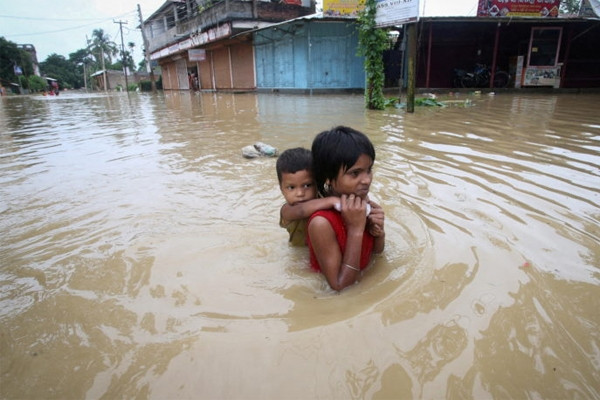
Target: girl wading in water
x=342, y=242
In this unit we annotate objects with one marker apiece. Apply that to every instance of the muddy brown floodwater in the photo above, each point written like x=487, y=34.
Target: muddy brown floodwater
x=141, y=257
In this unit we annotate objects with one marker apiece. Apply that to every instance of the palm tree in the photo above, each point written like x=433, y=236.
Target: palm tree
x=102, y=44
x=131, y=46
x=130, y=63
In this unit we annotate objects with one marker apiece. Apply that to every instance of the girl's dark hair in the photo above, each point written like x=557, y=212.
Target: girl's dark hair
x=292, y=161
x=337, y=148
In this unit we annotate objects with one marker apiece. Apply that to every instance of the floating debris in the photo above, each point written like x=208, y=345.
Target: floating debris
x=250, y=152
x=265, y=149
x=259, y=149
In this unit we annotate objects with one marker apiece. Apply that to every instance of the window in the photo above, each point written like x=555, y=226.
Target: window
x=181, y=10
x=543, y=47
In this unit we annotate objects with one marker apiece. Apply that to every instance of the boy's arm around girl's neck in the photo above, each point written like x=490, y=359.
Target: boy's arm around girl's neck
x=305, y=209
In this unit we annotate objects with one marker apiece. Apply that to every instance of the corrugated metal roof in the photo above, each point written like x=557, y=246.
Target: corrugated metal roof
x=311, y=17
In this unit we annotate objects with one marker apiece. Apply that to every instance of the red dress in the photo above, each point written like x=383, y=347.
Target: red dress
x=337, y=223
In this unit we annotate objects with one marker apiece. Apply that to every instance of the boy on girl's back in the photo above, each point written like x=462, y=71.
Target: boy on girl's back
x=294, y=172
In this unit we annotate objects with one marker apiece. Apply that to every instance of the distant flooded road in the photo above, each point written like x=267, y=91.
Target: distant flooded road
x=141, y=257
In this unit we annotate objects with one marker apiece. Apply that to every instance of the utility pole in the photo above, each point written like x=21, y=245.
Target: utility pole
x=105, y=80
x=87, y=49
x=146, y=52
x=123, y=54
x=84, y=76
x=411, y=32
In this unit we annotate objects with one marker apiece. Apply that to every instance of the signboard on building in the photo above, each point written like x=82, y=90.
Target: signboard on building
x=518, y=8
x=197, y=54
x=342, y=8
x=542, y=76
x=211, y=35
x=396, y=12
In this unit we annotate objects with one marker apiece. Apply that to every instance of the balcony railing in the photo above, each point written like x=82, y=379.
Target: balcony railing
x=213, y=13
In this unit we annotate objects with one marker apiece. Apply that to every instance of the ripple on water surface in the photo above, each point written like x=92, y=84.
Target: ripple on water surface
x=137, y=242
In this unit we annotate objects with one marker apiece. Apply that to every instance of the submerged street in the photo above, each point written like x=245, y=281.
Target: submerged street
x=140, y=253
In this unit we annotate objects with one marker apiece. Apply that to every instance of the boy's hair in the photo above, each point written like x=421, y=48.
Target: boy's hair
x=337, y=148
x=292, y=161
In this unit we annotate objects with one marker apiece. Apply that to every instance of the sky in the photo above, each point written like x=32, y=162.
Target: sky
x=61, y=26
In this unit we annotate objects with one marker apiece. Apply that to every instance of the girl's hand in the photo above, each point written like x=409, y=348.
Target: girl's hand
x=354, y=212
x=376, y=220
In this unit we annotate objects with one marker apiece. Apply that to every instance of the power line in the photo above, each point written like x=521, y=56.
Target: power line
x=51, y=19
x=64, y=29
x=46, y=32
x=66, y=19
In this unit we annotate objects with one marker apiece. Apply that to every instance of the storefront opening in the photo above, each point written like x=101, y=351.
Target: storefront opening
x=543, y=47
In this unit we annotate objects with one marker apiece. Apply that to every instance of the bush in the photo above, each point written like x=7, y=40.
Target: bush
x=132, y=87
x=146, y=86
x=23, y=82
x=36, y=83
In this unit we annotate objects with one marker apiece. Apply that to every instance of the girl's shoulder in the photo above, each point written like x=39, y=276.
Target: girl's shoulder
x=329, y=214
x=328, y=217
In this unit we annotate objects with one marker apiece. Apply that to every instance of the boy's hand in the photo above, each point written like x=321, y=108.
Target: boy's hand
x=335, y=202
x=376, y=220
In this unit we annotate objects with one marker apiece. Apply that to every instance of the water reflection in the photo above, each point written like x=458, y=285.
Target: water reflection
x=552, y=350
x=141, y=256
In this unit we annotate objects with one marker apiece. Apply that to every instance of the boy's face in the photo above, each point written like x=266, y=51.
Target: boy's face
x=298, y=187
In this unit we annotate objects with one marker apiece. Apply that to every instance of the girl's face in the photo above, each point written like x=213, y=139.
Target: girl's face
x=356, y=180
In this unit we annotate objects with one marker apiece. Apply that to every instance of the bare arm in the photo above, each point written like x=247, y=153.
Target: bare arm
x=307, y=208
x=334, y=264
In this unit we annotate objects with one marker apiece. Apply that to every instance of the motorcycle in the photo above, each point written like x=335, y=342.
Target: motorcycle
x=480, y=77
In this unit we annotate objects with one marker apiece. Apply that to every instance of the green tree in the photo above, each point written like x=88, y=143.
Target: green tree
x=79, y=56
x=372, y=42
x=83, y=62
x=131, y=46
x=102, y=48
x=37, y=83
x=11, y=56
x=23, y=81
x=58, y=67
x=25, y=62
x=142, y=66
x=129, y=63
x=118, y=65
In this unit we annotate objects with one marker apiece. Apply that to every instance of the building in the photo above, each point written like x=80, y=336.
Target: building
x=115, y=79
x=552, y=52
x=198, y=44
x=260, y=45
x=32, y=52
